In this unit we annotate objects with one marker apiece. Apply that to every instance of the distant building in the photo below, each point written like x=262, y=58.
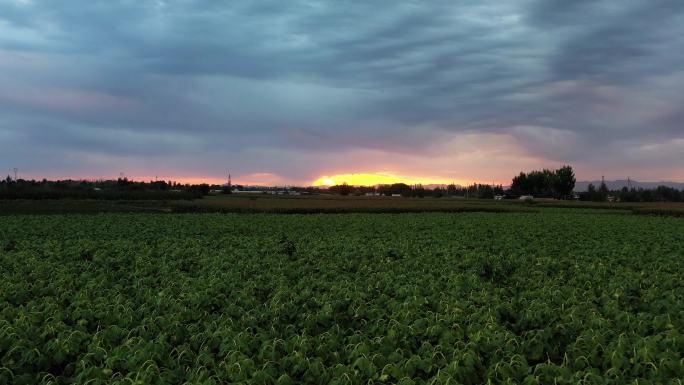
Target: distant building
x=498, y=197
x=526, y=197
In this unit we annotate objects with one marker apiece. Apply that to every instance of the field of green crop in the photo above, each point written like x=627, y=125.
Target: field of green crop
x=549, y=297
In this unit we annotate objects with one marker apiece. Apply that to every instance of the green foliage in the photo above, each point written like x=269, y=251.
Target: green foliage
x=546, y=183
x=555, y=297
x=659, y=194
x=563, y=182
x=595, y=195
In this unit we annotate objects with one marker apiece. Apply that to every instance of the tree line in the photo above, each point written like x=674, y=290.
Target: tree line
x=476, y=190
x=119, y=189
x=625, y=194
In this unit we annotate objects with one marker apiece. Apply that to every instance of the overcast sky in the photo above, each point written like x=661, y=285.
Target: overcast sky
x=288, y=91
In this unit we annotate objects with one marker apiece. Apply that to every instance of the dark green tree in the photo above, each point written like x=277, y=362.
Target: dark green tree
x=602, y=192
x=341, y=189
x=563, y=182
x=520, y=184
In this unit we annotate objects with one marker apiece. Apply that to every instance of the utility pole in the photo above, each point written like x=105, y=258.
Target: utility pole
x=16, y=170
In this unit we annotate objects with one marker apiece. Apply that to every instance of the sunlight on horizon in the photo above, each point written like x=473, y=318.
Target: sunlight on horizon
x=372, y=179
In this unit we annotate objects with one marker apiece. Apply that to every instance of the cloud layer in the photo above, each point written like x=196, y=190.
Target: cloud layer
x=296, y=90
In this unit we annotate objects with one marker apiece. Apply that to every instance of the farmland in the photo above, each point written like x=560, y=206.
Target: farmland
x=549, y=296
x=345, y=204
x=306, y=204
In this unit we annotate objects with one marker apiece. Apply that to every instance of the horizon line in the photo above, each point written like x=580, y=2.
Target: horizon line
x=214, y=181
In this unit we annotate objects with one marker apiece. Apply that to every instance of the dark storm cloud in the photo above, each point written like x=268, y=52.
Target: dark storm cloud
x=613, y=41
x=568, y=80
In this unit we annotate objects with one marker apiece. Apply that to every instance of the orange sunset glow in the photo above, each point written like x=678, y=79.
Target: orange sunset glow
x=372, y=179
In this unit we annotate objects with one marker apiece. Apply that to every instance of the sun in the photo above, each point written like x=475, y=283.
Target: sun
x=326, y=181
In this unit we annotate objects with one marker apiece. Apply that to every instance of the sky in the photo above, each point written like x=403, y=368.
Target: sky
x=297, y=92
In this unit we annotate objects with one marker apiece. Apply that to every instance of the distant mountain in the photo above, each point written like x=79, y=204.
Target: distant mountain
x=433, y=186
x=620, y=183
